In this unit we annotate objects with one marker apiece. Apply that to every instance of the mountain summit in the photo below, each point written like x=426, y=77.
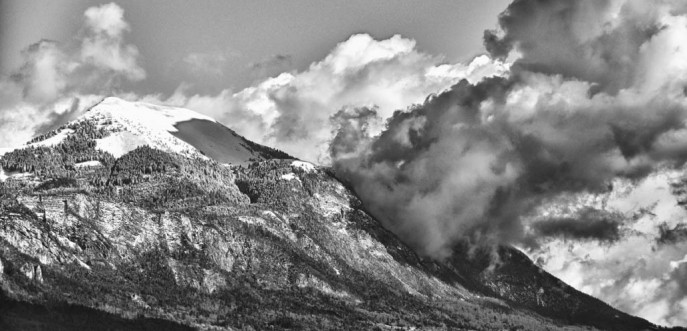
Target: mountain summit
x=137, y=216
x=129, y=125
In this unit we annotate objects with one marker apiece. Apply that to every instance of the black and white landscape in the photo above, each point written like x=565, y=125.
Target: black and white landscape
x=305, y=165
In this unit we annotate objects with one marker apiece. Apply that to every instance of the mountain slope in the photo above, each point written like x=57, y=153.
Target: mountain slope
x=163, y=230
x=132, y=124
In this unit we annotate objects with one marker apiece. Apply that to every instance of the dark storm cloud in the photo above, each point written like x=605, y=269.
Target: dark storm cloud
x=351, y=128
x=585, y=103
x=670, y=235
x=591, y=224
x=570, y=38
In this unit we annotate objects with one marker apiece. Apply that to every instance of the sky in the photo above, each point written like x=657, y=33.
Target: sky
x=238, y=35
x=556, y=126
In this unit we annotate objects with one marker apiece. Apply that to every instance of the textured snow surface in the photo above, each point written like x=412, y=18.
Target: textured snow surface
x=133, y=124
x=305, y=166
x=120, y=143
x=129, y=125
x=88, y=164
x=290, y=176
x=151, y=116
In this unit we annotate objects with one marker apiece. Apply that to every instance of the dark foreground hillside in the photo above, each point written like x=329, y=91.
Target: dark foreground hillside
x=54, y=316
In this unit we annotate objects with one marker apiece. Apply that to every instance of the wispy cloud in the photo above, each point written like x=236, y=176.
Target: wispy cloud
x=210, y=63
x=54, y=75
x=271, y=66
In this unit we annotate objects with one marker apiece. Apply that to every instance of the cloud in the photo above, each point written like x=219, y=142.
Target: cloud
x=671, y=235
x=57, y=118
x=630, y=274
x=590, y=224
x=271, y=66
x=54, y=77
x=575, y=122
x=594, y=41
x=43, y=74
x=106, y=20
x=352, y=130
x=212, y=63
x=291, y=111
x=635, y=272
x=572, y=115
x=103, y=47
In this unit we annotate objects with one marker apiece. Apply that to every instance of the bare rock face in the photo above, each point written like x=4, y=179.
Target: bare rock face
x=270, y=244
x=32, y=272
x=27, y=270
x=38, y=274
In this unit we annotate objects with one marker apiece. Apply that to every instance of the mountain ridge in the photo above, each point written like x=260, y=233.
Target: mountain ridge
x=165, y=231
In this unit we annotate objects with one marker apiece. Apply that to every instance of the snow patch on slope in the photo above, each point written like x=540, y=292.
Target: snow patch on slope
x=305, y=166
x=88, y=164
x=151, y=116
x=133, y=124
x=5, y=150
x=120, y=143
x=290, y=176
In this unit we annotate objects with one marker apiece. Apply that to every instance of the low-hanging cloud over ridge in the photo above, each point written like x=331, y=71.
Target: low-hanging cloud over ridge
x=596, y=93
x=482, y=154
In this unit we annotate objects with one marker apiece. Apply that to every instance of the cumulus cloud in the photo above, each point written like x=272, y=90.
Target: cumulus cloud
x=292, y=110
x=596, y=93
x=594, y=41
x=43, y=74
x=470, y=161
x=54, y=77
x=631, y=274
x=103, y=47
x=351, y=130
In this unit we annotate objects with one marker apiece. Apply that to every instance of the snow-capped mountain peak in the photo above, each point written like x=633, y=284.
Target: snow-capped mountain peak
x=154, y=117
x=128, y=125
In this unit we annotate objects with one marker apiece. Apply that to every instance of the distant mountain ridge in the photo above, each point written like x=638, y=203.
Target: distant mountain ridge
x=165, y=218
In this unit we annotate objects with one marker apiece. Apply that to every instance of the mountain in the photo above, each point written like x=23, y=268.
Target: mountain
x=124, y=126
x=138, y=216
